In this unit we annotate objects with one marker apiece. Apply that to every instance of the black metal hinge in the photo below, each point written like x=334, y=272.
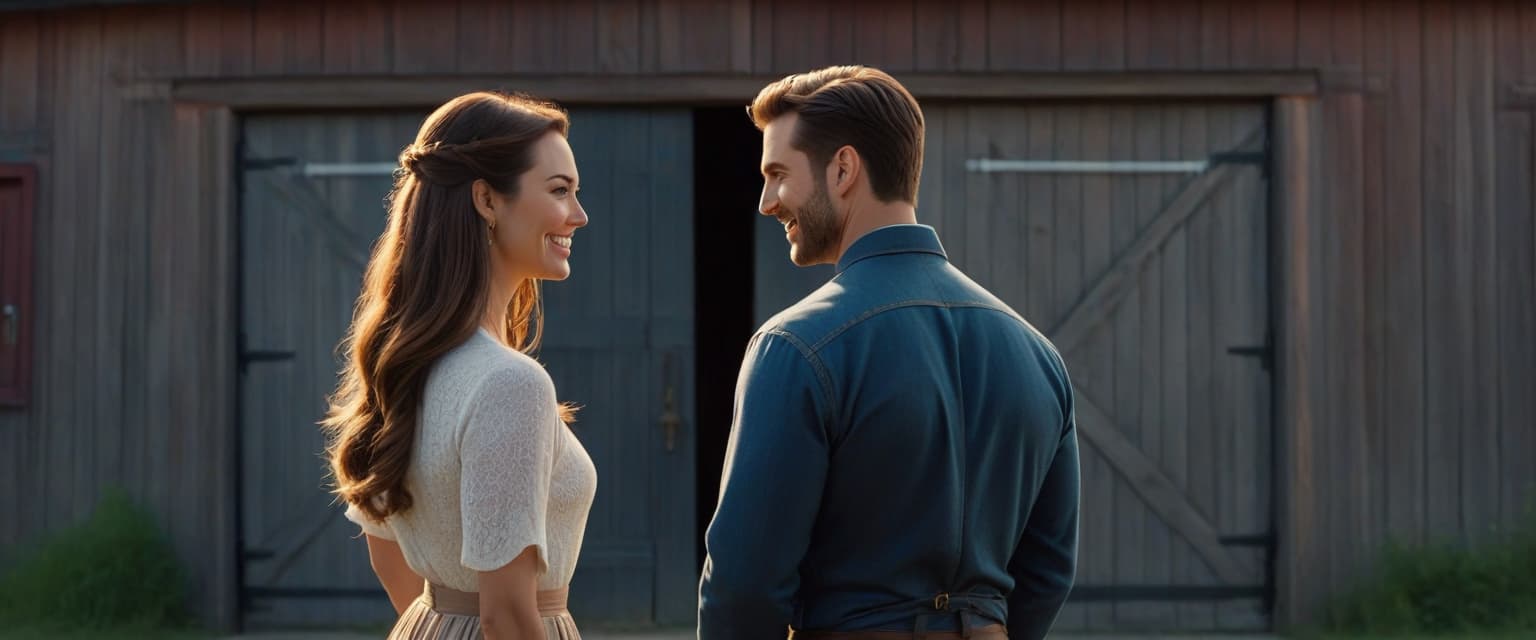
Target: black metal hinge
x=246, y=356
x=1264, y=352
x=1256, y=158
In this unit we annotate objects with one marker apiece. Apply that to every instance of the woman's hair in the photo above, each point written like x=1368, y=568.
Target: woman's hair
x=427, y=287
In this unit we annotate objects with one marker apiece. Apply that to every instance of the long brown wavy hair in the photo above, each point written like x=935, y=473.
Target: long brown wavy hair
x=427, y=288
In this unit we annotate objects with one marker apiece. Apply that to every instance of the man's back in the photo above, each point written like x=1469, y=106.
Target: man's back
x=945, y=452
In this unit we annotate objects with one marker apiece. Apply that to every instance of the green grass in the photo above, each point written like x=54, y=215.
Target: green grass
x=1473, y=636
x=1446, y=590
x=114, y=573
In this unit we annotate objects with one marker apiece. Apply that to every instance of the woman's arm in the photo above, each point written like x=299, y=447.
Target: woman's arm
x=400, y=582
x=509, y=608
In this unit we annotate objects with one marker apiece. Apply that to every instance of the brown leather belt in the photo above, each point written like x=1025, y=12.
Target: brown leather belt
x=991, y=632
x=467, y=603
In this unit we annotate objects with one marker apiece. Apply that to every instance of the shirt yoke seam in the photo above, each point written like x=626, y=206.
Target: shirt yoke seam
x=870, y=313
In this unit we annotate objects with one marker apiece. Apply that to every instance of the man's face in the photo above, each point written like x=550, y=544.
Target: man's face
x=796, y=194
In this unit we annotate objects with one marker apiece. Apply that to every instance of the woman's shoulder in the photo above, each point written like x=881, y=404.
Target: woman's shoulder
x=481, y=358
x=486, y=371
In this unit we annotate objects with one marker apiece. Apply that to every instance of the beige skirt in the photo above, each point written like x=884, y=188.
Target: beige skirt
x=441, y=613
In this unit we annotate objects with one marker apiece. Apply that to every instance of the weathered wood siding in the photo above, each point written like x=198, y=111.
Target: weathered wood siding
x=1418, y=351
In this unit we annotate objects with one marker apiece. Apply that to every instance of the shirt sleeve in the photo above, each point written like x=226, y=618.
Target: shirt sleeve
x=507, y=453
x=1044, y=564
x=369, y=525
x=771, y=489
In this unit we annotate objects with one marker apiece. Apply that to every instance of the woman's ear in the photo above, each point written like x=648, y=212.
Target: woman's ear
x=485, y=200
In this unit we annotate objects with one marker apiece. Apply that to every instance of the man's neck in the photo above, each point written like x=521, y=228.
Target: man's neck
x=865, y=218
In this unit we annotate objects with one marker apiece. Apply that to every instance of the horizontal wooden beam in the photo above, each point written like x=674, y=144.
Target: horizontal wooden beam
x=403, y=91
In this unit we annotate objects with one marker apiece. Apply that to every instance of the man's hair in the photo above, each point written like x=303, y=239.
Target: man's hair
x=853, y=106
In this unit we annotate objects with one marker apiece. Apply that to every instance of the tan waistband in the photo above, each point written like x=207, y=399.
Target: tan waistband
x=991, y=632
x=467, y=603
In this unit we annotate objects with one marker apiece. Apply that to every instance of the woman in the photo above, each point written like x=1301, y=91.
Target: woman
x=446, y=440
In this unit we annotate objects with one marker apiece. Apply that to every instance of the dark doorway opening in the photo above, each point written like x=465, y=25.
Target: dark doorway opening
x=726, y=185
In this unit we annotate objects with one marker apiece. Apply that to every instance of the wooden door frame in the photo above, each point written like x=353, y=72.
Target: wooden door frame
x=1294, y=203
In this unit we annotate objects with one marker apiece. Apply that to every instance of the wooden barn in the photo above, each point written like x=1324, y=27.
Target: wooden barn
x=1286, y=248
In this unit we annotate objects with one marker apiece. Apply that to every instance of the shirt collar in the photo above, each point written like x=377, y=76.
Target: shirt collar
x=896, y=238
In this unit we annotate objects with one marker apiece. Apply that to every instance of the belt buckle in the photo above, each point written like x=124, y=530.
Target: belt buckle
x=941, y=602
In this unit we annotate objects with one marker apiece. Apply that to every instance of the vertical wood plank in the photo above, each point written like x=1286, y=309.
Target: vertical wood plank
x=20, y=59
x=1067, y=263
x=1003, y=226
x=1476, y=251
x=1516, y=232
x=1345, y=335
x=1156, y=543
x=1174, y=419
x=1244, y=31
x=950, y=36
x=1301, y=546
x=288, y=39
x=1093, y=35
x=486, y=36
x=78, y=142
x=106, y=238
x=1344, y=243
x=1278, y=31
x=548, y=37
x=1216, y=37
x=1102, y=513
x=1255, y=444
x=1132, y=516
x=618, y=37
x=425, y=37
x=1403, y=266
x=975, y=251
x=1517, y=348
x=219, y=39
x=884, y=37
x=1163, y=36
x=1024, y=35
x=762, y=37
x=1445, y=292
x=1377, y=59
x=1039, y=231
x=672, y=165
x=957, y=181
x=1313, y=45
x=692, y=36
x=358, y=37
x=801, y=34
x=1200, y=464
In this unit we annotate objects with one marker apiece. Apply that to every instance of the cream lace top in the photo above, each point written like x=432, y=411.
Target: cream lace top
x=493, y=472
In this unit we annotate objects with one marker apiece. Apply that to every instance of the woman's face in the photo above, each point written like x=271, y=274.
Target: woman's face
x=532, y=238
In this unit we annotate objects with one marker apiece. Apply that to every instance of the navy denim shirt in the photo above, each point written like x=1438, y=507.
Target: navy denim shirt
x=904, y=453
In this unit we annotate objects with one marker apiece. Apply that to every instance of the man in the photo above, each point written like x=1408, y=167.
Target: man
x=903, y=462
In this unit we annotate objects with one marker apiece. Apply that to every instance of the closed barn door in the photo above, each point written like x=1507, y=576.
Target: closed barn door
x=1135, y=236
x=618, y=342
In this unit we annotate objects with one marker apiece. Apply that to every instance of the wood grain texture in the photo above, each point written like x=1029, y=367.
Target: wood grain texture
x=1422, y=232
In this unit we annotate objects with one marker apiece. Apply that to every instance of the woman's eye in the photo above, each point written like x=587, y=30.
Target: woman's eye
x=560, y=191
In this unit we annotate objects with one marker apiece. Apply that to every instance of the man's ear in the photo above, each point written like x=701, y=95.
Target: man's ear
x=844, y=171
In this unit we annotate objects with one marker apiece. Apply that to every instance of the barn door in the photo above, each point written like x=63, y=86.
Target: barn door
x=1135, y=237
x=618, y=342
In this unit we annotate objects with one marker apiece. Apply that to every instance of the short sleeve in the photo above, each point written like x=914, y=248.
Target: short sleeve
x=507, y=453
x=369, y=525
